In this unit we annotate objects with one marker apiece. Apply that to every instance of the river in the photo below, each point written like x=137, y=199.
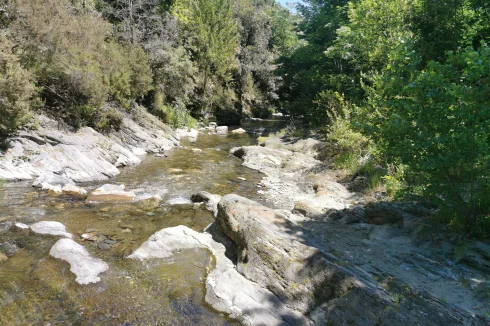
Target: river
x=36, y=289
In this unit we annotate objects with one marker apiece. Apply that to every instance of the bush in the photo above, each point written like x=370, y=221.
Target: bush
x=16, y=90
x=72, y=60
x=177, y=116
x=108, y=120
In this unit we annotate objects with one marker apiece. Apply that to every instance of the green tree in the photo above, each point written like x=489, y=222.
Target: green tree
x=16, y=90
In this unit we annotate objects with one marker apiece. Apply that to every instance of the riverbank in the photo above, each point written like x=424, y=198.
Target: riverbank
x=54, y=153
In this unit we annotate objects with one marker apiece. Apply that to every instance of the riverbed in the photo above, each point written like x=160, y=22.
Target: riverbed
x=38, y=289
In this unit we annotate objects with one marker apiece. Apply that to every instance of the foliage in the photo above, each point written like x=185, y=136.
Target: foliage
x=71, y=59
x=16, y=89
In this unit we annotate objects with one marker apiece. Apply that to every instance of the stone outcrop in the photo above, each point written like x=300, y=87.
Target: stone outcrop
x=59, y=156
x=85, y=267
x=226, y=290
x=222, y=130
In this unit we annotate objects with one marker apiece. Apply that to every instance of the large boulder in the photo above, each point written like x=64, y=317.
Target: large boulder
x=286, y=259
x=226, y=290
x=211, y=200
x=85, y=267
x=272, y=251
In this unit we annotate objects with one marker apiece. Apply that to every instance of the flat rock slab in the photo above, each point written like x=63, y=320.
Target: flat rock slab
x=50, y=228
x=226, y=289
x=85, y=267
x=111, y=193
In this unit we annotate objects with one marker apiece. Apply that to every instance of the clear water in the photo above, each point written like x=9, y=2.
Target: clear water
x=36, y=289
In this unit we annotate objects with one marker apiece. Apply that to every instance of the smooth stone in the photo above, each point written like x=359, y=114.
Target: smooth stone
x=85, y=267
x=50, y=228
x=222, y=130
x=111, y=193
x=239, y=131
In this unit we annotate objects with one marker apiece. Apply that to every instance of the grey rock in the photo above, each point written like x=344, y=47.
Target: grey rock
x=211, y=200
x=274, y=252
x=85, y=267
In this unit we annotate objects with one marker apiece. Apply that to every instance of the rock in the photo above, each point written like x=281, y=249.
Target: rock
x=238, y=131
x=85, y=267
x=241, y=178
x=178, y=200
x=184, y=132
x=385, y=213
x=222, y=130
x=3, y=257
x=161, y=155
x=149, y=202
x=211, y=200
x=52, y=179
x=308, y=211
x=54, y=190
x=348, y=216
x=227, y=291
x=212, y=125
x=174, y=170
x=197, y=150
x=103, y=246
x=138, y=151
x=21, y=228
x=74, y=191
x=111, y=193
x=50, y=228
x=482, y=248
x=272, y=251
x=60, y=157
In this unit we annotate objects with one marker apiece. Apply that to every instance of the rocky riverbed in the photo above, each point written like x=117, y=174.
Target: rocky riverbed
x=223, y=230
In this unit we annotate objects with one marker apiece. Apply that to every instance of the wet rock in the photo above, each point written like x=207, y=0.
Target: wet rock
x=175, y=170
x=50, y=228
x=21, y=228
x=74, y=191
x=148, y=203
x=211, y=200
x=111, y=193
x=238, y=131
x=222, y=130
x=103, y=246
x=54, y=190
x=85, y=267
x=227, y=291
x=178, y=200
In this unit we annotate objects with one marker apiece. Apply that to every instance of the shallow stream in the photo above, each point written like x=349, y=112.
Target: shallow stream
x=36, y=289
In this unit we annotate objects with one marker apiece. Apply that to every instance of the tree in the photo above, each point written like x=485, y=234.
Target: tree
x=16, y=90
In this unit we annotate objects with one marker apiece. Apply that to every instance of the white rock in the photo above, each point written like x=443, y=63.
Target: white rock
x=52, y=189
x=238, y=131
x=111, y=193
x=21, y=228
x=50, y=228
x=222, y=130
x=197, y=150
x=226, y=290
x=138, y=151
x=72, y=190
x=85, y=267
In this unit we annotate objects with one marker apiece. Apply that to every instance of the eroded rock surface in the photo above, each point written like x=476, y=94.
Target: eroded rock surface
x=226, y=290
x=85, y=267
x=59, y=156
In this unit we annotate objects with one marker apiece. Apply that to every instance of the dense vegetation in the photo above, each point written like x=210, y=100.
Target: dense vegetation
x=211, y=59
x=400, y=87
x=403, y=85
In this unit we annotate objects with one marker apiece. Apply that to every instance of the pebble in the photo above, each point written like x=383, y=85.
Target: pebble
x=103, y=246
x=241, y=178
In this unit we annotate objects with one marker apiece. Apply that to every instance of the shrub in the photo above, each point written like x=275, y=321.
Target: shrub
x=16, y=90
x=72, y=60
